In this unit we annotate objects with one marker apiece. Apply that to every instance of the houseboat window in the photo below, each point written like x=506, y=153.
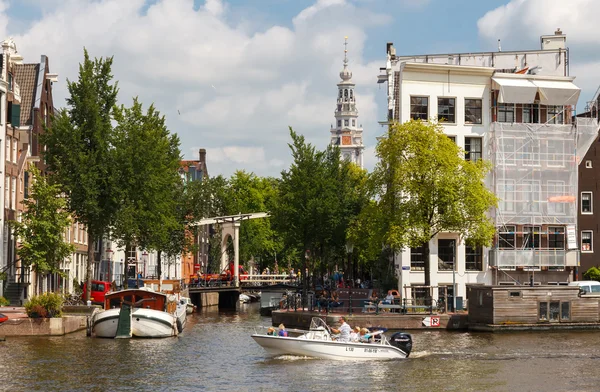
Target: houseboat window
x=115, y=303
x=419, y=108
x=417, y=258
x=473, y=258
x=446, y=256
x=514, y=294
x=543, y=307
x=554, y=311
x=565, y=311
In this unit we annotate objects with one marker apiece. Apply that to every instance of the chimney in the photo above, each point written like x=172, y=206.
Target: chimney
x=553, y=42
x=202, y=154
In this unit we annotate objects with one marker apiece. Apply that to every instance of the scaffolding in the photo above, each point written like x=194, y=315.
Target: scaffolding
x=535, y=178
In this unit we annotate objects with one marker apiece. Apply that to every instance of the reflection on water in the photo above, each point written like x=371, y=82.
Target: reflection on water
x=216, y=353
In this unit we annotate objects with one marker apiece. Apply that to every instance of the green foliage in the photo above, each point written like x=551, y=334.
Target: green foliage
x=151, y=210
x=4, y=301
x=42, y=227
x=45, y=305
x=592, y=274
x=79, y=150
x=424, y=186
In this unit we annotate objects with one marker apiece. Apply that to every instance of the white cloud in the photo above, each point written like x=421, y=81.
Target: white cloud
x=221, y=87
x=520, y=23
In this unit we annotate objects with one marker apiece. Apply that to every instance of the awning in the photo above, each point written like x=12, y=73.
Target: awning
x=554, y=92
x=515, y=90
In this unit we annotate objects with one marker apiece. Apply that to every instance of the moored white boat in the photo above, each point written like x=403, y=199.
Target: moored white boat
x=190, y=307
x=318, y=342
x=137, y=313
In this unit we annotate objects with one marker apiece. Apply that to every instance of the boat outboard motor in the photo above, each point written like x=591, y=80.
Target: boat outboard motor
x=403, y=341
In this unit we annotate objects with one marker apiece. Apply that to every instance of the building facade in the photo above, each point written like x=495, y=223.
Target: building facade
x=513, y=109
x=589, y=196
x=347, y=134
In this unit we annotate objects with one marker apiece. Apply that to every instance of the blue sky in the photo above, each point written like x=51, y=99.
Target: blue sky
x=232, y=75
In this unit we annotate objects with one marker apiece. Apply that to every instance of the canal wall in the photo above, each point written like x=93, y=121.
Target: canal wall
x=392, y=321
x=42, y=326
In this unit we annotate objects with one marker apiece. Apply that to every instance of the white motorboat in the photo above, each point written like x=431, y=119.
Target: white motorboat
x=244, y=298
x=190, y=307
x=180, y=311
x=137, y=313
x=319, y=342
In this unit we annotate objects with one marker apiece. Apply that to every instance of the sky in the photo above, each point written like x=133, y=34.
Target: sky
x=231, y=76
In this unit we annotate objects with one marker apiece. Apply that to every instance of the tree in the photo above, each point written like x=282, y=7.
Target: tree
x=79, y=151
x=592, y=274
x=147, y=158
x=424, y=186
x=41, y=230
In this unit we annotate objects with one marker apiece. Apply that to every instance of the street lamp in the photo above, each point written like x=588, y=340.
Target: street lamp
x=349, y=249
x=145, y=260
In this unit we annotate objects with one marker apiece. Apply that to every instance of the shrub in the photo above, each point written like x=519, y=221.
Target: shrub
x=592, y=274
x=44, y=305
x=4, y=301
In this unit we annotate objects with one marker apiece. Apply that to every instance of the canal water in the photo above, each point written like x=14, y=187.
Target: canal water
x=216, y=353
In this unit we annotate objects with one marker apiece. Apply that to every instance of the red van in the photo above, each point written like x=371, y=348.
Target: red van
x=99, y=290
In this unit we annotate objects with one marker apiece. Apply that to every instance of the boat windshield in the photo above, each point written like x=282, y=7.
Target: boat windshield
x=318, y=324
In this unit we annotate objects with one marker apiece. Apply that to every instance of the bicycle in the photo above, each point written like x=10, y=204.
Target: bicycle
x=72, y=300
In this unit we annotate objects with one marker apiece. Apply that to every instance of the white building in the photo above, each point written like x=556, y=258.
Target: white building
x=347, y=133
x=514, y=109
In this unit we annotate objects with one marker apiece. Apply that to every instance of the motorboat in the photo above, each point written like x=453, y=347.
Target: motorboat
x=319, y=342
x=244, y=298
x=190, y=307
x=138, y=313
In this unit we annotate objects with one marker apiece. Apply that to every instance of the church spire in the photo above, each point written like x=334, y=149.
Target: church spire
x=347, y=134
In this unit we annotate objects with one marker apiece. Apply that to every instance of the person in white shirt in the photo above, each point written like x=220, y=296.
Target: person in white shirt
x=355, y=334
x=344, y=330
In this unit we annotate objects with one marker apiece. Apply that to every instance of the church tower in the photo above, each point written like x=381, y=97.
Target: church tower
x=346, y=133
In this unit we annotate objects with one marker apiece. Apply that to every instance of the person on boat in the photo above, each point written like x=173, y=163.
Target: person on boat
x=366, y=336
x=271, y=331
x=344, y=330
x=282, y=331
x=355, y=334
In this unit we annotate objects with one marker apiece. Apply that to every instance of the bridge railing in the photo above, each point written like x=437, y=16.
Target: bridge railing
x=266, y=279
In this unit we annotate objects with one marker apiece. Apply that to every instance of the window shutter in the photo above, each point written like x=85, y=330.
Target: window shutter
x=16, y=115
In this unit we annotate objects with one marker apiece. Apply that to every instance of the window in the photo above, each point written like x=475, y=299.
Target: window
x=506, y=237
x=555, y=189
x=531, y=237
x=586, y=241
x=472, y=149
x=531, y=114
x=447, y=110
x=506, y=194
x=473, y=111
x=530, y=152
x=339, y=123
x=473, y=258
x=588, y=164
x=506, y=112
x=453, y=138
x=417, y=258
x=556, y=154
x=554, y=311
x=14, y=150
x=346, y=123
x=8, y=144
x=530, y=196
x=419, y=108
x=586, y=202
x=556, y=237
x=555, y=115
x=353, y=123
x=6, y=192
x=76, y=233
x=13, y=193
x=446, y=254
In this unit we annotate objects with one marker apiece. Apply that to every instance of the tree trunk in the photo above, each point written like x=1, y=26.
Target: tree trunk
x=427, y=273
x=159, y=264
x=88, y=269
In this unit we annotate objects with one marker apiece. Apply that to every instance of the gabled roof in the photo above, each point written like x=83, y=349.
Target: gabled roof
x=26, y=78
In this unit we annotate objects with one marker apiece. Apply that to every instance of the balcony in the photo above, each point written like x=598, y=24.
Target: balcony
x=532, y=258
